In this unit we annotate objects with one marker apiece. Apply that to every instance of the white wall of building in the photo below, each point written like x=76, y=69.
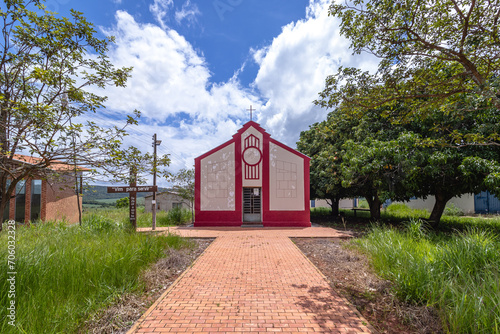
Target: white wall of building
x=465, y=203
x=345, y=203
x=217, y=183
x=286, y=180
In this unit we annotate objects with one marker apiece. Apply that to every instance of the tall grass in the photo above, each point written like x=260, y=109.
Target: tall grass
x=65, y=273
x=173, y=217
x=459, y=274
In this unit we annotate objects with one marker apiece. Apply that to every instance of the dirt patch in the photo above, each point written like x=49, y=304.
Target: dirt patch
x=127, y=309
x=350, y=274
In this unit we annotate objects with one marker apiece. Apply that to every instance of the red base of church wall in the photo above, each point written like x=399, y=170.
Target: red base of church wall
x=286, y=224
x=271, y=219
x=217, y=224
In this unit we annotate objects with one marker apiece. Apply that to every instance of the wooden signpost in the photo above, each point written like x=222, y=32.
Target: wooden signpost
x=133, y=189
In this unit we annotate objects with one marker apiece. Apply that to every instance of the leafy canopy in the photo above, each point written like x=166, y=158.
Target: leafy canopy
x=432, y=54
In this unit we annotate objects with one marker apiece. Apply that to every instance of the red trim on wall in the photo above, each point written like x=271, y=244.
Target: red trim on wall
x=307, y=189
x=289, y=149
x=238, y=164
x=197, y=189
x=265, y=179
x=212, y=151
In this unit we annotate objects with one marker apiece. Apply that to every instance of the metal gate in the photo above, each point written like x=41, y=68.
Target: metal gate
x=251, y=205
x=485, y=202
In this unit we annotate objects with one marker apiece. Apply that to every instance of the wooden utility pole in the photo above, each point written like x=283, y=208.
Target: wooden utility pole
x=155, y=143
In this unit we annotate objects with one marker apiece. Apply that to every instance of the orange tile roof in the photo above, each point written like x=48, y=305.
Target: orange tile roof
x=54, y=165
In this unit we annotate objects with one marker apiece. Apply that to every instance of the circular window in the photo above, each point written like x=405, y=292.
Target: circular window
x=252, y=156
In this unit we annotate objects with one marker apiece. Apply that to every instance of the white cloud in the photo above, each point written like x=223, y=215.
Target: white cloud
x=188, y=12
x=171, y=80
x=294, y=67
x=160, y=9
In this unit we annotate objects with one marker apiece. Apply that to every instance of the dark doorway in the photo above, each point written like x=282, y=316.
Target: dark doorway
x=252, y=205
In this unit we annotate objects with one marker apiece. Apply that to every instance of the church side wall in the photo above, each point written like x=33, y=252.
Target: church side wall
x=288, y=203
x=215, y=183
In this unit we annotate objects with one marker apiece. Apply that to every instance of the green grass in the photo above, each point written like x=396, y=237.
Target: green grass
x=459, y=273
x=66, y=273
x=121, y=216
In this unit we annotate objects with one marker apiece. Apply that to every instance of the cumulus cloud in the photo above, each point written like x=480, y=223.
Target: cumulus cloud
x=293, y=69
x=171, y=82
x=169, y=76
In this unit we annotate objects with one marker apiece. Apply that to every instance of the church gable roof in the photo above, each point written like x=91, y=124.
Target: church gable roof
x=242, y=130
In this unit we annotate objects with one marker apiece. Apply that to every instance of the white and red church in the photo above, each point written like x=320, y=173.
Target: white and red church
x=252, y=179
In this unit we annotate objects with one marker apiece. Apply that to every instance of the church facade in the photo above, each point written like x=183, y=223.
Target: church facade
x=252, y=179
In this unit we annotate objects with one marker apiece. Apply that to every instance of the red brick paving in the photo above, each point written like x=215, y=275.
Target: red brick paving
x=252, y=281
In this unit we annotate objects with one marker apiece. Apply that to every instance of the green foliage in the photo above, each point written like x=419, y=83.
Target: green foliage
x=320, y=212
x=184, y=186
x=123, y=202
x=99, y=223
x=66, y=273
x=433, y=54
x=457, y=274
x=380, y=160
x=453, y=210
x=403, y=211
x=178, y=216
x=120, y=217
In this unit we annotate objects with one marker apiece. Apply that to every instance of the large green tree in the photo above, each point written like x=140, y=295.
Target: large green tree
x=433, y=53
x=48, y=65
x=381, y=160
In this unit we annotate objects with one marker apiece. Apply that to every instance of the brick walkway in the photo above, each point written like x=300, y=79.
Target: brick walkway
x=252, y=280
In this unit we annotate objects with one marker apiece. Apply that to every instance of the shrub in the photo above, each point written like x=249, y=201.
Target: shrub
x=178, y=216
x=453, y=210
x=123, y=202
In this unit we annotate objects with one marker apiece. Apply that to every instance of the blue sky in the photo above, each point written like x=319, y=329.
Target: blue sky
x=200, y=64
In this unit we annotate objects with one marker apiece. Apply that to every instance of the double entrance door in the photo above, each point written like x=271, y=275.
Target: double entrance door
x=252, y=205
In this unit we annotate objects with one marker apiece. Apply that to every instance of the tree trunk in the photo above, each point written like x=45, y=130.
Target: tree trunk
x=374, y=203
x=3, y=204
x=192, y=213
x=335, y=207
x=438, y=209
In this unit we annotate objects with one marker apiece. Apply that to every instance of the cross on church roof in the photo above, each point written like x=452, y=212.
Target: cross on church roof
x=251, y=109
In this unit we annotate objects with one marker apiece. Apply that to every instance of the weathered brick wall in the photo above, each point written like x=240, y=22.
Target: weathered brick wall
x=60, y=200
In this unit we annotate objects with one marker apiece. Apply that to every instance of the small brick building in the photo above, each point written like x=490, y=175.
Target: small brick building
x=165, y=201
x=45, y=198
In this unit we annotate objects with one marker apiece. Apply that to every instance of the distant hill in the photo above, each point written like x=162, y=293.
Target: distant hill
x=93, y=194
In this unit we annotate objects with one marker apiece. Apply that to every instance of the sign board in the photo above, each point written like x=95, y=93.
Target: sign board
x=133, y=208
x=132, y=189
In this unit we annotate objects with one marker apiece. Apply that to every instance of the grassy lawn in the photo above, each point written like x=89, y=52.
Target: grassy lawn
x=66, y=273
x=455, y=269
